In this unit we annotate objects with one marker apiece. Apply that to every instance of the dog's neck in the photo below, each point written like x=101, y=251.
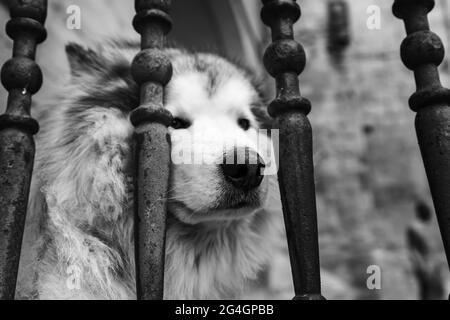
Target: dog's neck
x=203, y=261
x=213, y=260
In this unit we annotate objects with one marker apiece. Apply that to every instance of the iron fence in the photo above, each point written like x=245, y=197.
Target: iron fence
x=22, y=77
x=422, y=51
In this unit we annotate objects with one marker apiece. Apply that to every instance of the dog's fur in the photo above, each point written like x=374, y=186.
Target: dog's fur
x=80, y=211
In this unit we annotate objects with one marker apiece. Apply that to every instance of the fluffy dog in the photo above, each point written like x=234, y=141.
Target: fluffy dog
x=81, y=210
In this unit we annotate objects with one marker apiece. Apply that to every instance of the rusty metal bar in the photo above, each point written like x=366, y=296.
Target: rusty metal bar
x=152, y=70
x=422, y=52
x=285, y=59
x=22, y=77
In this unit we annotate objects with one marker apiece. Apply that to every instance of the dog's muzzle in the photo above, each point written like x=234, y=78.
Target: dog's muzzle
x=242, y=167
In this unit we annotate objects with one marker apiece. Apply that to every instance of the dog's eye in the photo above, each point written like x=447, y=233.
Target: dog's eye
x=178, y=123
x=244, y=124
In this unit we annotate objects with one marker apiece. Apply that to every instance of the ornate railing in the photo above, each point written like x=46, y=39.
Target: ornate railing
x=152, y=70
x=422, y=51
x=285, y=59
x=22, y=77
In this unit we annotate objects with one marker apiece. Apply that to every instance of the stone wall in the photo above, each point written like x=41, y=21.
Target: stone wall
x=369, y=171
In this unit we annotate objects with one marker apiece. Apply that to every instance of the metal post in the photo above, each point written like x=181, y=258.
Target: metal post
x=422, y=51
x=152, y=70
x=285, y=59
x=22, y=77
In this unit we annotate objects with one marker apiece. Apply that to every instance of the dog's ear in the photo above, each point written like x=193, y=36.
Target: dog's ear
x=82, y=60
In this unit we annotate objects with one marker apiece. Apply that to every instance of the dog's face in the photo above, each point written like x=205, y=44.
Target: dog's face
x=219, y=153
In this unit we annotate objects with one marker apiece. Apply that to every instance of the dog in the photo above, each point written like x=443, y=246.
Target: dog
x=80, y=216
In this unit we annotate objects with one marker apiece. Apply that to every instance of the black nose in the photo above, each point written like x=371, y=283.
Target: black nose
x=242, y=167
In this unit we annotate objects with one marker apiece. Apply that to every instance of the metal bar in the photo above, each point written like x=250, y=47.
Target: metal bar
x=422, y=51
x=152, y=70
x=22, y=77
x=285, y=59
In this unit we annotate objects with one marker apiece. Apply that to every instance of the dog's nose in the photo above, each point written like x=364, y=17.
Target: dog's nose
x=243, y=168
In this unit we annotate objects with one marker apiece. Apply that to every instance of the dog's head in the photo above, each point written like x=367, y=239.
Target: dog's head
x=220, y=154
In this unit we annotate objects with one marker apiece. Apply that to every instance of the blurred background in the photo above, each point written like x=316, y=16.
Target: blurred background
x=372, y=194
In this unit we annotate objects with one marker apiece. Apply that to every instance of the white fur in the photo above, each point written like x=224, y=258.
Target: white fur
x=85, y=183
